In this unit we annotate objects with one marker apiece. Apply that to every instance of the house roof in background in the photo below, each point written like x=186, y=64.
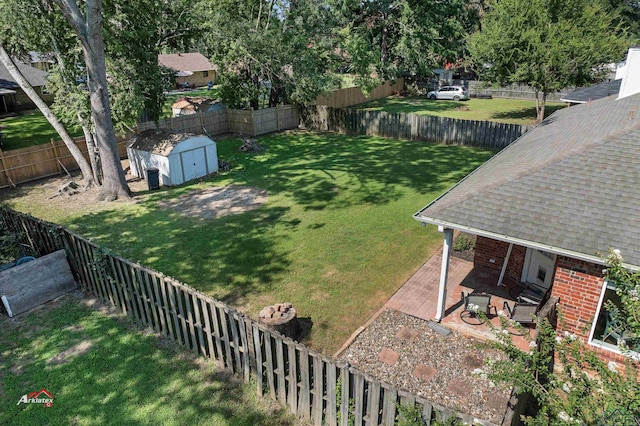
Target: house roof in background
x=34, y=76
x=594, y=92
x=186, y=62
x=570, y=185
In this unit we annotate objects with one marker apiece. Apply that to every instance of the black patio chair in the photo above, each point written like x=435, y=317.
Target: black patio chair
x=522, y=312
x=474, y=304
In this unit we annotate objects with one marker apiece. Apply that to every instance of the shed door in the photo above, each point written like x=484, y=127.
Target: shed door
x=194, y=163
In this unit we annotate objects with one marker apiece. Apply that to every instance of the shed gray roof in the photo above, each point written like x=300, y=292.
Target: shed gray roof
x=571, y=184
x=594, y=92
x=159, y=142
x=34, y=76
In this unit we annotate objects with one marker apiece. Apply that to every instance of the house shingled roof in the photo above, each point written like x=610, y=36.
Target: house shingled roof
x=594, y=92
x=34, y=76
x=186, y=62
x=569, y=184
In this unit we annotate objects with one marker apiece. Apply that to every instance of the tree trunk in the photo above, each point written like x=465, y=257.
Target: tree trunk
x=92, y=150
x=540, y=106
x=85, y=169
x=89, y=31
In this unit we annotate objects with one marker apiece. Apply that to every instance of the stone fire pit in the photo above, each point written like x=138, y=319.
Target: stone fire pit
x=280, y=317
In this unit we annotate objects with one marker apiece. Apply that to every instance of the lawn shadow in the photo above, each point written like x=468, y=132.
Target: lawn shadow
x=335, y=171
x=526, y=113
x=226, y=258
x=125, y=377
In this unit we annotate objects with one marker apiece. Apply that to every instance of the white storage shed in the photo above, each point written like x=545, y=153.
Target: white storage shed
x=179, y=157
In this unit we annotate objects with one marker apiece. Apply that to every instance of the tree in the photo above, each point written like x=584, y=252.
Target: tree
x=582, y=388
x=88, y=27
x=385, y=39
x=85, y=169
x=546, y=44
x=270, y=49
x=627, y=12
x=15, y=38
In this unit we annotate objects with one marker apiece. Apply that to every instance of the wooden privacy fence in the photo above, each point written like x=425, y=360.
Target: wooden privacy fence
x=486, y=134
x=342, y=98
x=252, y=123
x=39, y=161
x=323, y=391
x=513, y=91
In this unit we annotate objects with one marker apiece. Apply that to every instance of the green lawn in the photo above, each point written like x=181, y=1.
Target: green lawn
x=101, y=370
x=514, y=111
x=29, y=128
x=335, y=238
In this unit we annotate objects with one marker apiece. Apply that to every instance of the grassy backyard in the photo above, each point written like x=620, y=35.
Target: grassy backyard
x=514, y=111
x=335, y=238
x=100, y=369
x=27, y=129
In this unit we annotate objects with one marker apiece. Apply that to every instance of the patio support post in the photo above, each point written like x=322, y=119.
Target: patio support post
x=444, y=272
x=504, y=265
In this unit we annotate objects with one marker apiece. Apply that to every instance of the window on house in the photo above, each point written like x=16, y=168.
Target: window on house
x=607, y=332
x=205, y=73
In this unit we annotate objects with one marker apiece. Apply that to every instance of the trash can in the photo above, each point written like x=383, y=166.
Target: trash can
x=153, y=179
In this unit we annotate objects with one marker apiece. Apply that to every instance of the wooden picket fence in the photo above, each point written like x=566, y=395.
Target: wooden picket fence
x=414, y=127
x=315, y=388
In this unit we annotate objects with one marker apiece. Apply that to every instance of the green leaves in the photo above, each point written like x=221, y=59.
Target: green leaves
x=546, y=44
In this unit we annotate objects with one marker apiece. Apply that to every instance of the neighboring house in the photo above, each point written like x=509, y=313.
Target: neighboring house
x=13, y=99
x=547, y=209
x=42, y=61
x=191, y=69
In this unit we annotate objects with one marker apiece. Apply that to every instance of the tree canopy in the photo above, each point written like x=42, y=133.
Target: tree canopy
x=546, y=44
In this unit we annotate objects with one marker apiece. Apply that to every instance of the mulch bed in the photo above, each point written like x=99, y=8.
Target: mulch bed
x=403, y=351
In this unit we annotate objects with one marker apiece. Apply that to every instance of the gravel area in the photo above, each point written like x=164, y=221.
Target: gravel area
x=403, y=351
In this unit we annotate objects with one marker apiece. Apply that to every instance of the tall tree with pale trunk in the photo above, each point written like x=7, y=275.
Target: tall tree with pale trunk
x=88, y=28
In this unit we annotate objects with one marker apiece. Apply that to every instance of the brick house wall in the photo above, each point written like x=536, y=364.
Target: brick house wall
x=579, y=284
x=488, y=249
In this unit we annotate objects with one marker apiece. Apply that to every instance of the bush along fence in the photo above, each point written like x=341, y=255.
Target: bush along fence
x=485, y=134
x=315, y=388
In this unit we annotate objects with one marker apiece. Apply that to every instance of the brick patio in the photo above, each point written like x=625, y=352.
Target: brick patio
x=418, y=296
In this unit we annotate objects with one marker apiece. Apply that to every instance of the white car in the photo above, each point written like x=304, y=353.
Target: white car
x=456, y=93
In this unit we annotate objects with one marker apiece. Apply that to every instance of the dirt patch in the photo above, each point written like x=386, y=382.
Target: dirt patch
x=79, y=349
x=213, y=203
x=47, y=194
